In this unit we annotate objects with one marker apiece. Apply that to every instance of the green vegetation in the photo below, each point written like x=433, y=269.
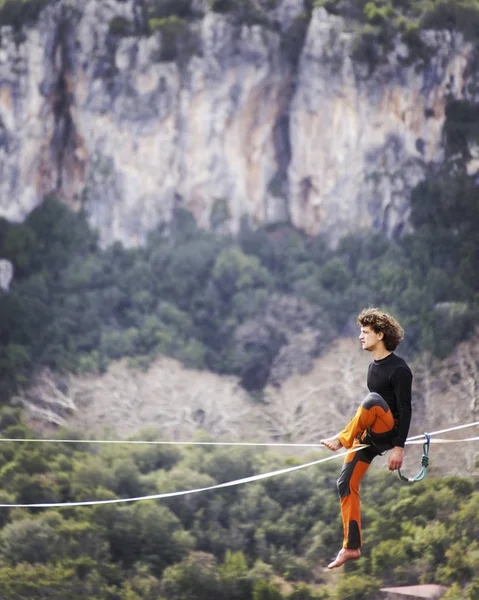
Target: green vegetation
x=380, y=22
x=173, y=31
x=174, y=21
x=264, y=540
x=171, y=19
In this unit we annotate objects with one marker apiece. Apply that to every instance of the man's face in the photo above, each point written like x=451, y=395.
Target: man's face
x=369, y=339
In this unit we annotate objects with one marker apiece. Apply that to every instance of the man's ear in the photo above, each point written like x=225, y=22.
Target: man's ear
x=380, y=335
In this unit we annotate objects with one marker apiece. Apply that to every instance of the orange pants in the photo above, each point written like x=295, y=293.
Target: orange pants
x=373, y=424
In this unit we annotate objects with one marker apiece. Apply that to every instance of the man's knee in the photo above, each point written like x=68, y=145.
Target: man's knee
x=372, y=400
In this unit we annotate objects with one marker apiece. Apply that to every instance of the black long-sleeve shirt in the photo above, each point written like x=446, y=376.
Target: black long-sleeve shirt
x=391, y=378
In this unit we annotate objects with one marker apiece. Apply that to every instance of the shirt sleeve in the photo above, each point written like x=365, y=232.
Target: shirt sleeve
x=402, y=383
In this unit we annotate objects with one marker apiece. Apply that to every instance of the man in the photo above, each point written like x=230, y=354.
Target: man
x=381, y=421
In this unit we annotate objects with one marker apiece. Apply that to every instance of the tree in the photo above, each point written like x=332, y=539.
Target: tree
x=30, y=540
x=265, y=590
x=37, y=582
x=235, y=272
x=20, y=247
x=149, y=533
x=357, y=587
x=234, y=577
x=195, y=578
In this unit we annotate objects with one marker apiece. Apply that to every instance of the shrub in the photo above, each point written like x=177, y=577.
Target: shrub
x=172, y=31
x=377, y=15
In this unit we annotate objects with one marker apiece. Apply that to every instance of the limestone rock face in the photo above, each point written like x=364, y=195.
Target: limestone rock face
x=360, y=140
x=227, y=123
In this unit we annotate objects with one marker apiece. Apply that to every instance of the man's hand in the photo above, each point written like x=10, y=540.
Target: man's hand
x=395, y=458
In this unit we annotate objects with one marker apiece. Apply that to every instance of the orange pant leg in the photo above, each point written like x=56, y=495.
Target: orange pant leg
x=373, y=414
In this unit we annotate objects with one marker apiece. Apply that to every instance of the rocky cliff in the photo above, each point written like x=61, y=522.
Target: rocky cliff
x=240, y=119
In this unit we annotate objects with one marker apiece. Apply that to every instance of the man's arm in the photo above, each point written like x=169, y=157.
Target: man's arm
x=402, y=382
x=403, y=389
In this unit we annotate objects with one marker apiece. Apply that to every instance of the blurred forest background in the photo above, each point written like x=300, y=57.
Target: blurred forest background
x=231, y=305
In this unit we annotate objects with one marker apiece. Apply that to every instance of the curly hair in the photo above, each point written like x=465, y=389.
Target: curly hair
x=381, y=322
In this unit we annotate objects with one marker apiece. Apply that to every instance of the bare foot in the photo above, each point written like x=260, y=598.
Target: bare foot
x=344, y=555
x=332, y=443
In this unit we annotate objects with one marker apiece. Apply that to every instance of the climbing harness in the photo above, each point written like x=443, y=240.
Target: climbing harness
x=424, y=463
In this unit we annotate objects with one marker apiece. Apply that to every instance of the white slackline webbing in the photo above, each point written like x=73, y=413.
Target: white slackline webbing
x=444, y=441
x=172, y=443
x=446, y=430
x=413, y=440
x=160, y=442
x=183, y=492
